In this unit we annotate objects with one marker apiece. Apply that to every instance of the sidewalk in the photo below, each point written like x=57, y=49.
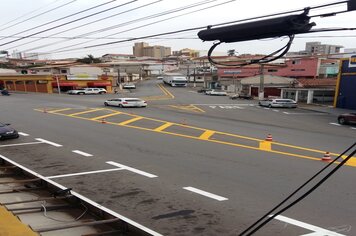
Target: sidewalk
x=324, y=109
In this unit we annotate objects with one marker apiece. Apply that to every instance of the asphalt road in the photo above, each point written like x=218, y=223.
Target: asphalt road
x=188, y=164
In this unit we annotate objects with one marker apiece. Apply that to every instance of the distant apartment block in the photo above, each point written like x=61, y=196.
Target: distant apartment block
x=144, y=50
x=316, y=48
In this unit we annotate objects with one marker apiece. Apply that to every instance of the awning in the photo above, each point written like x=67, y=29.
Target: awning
x=65, y=84
x=99, y=84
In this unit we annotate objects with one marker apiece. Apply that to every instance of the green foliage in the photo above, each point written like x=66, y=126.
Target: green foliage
x=90, y=59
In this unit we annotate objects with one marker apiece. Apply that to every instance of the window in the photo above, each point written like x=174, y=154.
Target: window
x=63, y=71
x=272, y=70
x=296, y=62
x=297, y=69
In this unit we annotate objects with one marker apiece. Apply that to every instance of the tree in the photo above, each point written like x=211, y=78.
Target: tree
x=90, y=59
x=231, y=52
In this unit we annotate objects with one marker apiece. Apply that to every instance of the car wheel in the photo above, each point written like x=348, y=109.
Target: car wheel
x=342, y=121
x=106, y=104
x=270, y=105
x=120, y=105
x=81, y=93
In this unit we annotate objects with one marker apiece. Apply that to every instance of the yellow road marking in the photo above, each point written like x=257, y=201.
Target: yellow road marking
x=130, y=121
x=207, y=134
x=58, y=110
x=85, y=112
x=162, y=127
x=105, y=116
x=265, y=145
x=187, y=107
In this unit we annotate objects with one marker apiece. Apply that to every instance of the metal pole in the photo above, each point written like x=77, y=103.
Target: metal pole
x=261, y=93
x=118, y=77
x=58, y=87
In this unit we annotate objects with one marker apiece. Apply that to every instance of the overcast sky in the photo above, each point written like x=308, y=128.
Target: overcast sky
x=18, y=17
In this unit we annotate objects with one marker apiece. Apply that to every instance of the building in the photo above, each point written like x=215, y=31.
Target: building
x=144, y=50
x=317, y=48
x=116, y=57
x=345, y=95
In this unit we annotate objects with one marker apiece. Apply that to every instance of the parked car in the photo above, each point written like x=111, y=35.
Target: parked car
x=203, y=90
x=287, y=103
x=126, y=102
x=83, y=91
x=129, y=86
x=216, y=93
x=347, y=118
x=241, y=96
x=7, y=132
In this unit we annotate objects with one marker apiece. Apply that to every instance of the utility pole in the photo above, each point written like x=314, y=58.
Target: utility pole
x=118, y=77
x=261, y=93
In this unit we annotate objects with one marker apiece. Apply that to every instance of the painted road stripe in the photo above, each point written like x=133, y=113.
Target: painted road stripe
x=140, y=172
x=82, y=153
x=206, y=194
x=317, y=230
x=83, y=173
x=89, y=201
x=130, y=121
x=105, y=116
x=84, y=112
x=227, y=104
x=23, y=134
x=58, y=110
x=335, y=124
x=163, y=127
x=20, y=144
x=353, y=128
x=207, y=134
x=49, y=142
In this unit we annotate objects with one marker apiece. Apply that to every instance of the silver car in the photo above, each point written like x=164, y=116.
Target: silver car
x=126, y=102
x=288, y=103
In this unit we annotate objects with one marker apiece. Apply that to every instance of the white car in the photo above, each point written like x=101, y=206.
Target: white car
x=129, y=86
x=83, y=91
x=126, y=102
x=216, y=93
x=288, y=103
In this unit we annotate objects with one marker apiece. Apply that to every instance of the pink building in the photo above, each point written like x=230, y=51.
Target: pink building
x=293, y=67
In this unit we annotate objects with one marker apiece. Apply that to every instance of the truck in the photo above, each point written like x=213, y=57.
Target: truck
x=83, y=91
x=175, y=80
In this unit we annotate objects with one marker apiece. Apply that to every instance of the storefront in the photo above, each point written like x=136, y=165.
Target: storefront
x=52, y=83
x=345, y=95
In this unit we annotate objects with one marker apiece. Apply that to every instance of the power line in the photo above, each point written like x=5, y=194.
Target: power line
x=29, y=13
x=150, y=17
x=81, y=18
x=50, y=10
x=62, y=18
x=80, y=26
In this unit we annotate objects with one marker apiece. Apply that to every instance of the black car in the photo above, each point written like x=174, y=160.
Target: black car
x=7, y=132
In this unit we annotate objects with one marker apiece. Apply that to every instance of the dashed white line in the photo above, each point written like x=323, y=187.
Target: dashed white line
x=353, y=128
x=206, y=194
x=49, y=142
x=335, y=124
x=83, y=173
x=317, y=231
x=140, y=172
x=19, y=144
x=276, y=110
x=23, y=134
x=82, y=153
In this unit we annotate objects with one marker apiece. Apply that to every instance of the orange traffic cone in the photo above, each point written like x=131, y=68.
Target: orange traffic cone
x=103, y=121
x=326, y=157
x=269, y=138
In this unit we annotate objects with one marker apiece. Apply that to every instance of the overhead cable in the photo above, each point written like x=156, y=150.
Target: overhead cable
x=70, y=22
x=61, y=18
x=50, y=10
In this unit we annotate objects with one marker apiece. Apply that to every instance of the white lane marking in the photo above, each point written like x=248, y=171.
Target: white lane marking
x=353, y=128
x=87, y=200
x=20, y=144
x=206, y=194
x=287, y=113
x=23, y=134
x=335, y=124
x=317, y=230
x=83, y=173
x=49, y=142
x=276, y=110
x=82, y=153
x=140, y=172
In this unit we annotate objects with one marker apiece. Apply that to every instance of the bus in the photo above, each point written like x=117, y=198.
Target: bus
x=175, y=80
